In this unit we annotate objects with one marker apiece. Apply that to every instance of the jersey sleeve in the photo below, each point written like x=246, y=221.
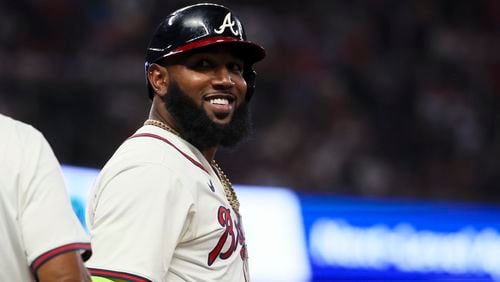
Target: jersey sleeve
x=48, y=224
x=136, y=220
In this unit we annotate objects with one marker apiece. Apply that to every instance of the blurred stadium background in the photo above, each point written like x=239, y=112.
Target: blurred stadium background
x=376, y=100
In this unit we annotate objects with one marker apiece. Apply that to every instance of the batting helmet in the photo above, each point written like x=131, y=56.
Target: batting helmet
x=198, y=26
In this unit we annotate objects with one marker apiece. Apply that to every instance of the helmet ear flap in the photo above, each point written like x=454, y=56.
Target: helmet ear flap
x=249, y=75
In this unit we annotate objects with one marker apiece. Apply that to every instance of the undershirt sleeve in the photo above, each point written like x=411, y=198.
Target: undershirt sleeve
x=102, y=279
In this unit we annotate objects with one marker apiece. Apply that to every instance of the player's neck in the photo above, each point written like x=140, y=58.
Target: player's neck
x=159, y=113
x=209, y=153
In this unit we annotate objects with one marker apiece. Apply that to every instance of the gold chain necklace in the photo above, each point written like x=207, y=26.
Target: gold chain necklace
x=162, y=125
x=228, y=187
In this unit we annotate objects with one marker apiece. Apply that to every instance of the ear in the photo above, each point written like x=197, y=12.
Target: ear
x=158, y=79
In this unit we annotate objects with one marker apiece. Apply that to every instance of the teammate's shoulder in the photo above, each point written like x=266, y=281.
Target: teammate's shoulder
x=9, y=123
x=17, y=129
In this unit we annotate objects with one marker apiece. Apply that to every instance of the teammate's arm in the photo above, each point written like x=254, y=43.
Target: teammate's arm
x=52, y=236
x=66, y=267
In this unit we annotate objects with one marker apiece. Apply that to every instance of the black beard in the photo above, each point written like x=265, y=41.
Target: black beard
x=197, y=128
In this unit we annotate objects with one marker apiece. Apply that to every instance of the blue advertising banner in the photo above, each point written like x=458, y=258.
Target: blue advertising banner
x=359, y=239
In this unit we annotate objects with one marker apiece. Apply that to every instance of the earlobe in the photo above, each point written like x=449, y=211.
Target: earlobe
x=158, y=78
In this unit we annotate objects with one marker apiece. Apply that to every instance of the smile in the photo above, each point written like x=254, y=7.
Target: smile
x=221, y=105
x=219, y=101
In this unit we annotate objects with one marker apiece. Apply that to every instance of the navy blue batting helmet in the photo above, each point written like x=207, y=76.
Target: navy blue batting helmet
x=198, y=26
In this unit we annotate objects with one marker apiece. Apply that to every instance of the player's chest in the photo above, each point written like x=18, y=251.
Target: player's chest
x=215, y=227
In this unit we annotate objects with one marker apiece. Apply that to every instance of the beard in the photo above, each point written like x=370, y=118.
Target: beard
x=196, y=127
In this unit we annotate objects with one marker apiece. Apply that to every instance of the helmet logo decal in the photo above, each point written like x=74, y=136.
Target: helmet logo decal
x=227, y=23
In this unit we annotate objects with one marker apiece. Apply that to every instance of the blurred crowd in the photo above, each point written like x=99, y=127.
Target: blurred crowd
x=382, y=98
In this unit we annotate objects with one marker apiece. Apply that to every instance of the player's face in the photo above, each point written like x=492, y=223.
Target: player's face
x=213, y=79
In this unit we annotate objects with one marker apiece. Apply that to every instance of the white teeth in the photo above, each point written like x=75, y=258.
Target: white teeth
x=219, y=101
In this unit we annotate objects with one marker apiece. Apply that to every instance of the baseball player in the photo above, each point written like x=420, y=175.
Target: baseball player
x=41, y=237
x=161, y=208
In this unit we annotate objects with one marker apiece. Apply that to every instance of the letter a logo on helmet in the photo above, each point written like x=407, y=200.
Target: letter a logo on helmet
x=227, y=23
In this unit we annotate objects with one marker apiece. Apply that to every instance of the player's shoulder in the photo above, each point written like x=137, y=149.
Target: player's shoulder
x=161, y=154
x=153, y=145
x=133, y=152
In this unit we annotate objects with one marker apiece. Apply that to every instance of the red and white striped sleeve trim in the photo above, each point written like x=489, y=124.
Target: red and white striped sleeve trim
x=118, y=275
x=41, y=259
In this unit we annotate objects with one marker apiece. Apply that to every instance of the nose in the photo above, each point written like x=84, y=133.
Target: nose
x=223, y=78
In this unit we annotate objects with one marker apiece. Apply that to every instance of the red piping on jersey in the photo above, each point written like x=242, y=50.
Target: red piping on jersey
x=117, y=275
x=43, y=258
x=196, y=163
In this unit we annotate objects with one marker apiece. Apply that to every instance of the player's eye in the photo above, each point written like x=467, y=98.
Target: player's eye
x=202, y=64
x=236, y=67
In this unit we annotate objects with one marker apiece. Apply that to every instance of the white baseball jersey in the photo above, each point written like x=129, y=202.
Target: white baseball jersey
x=158, y=212
x=36, y=218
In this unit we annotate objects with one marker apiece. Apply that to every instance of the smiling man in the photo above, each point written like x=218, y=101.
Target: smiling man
x=161, y=208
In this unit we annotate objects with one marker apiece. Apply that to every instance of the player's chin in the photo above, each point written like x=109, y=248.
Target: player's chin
x=221, y=118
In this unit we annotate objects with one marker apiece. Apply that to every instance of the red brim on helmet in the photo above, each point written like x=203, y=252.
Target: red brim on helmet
x=249, y=51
